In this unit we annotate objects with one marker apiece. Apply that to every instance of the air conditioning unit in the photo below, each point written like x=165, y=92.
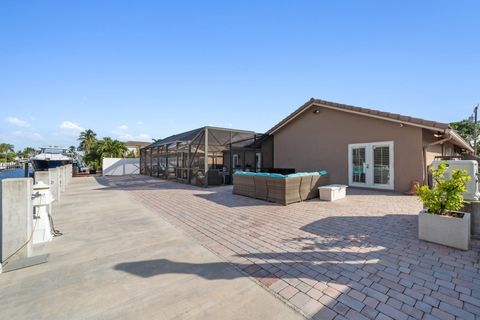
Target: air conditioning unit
x=471, y=166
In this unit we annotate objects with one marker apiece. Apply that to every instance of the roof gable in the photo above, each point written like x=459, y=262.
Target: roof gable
x=387, y=116
x=394, y=117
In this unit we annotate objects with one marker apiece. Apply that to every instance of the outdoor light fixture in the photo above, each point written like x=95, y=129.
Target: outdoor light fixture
x=316, y=111
x=438, y=134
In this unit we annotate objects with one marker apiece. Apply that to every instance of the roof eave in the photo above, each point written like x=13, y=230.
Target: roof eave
x=314, y=102
x=460, y=141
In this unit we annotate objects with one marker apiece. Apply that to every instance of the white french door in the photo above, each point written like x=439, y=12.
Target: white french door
x=370, y=165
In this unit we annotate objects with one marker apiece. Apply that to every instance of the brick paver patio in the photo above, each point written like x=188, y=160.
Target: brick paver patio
x=357, y=258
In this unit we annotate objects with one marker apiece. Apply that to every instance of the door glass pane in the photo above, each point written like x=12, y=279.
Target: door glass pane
x=358, y=165
x=381, y=165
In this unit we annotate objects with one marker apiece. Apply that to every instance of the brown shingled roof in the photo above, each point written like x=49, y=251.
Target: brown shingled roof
x=367, y=112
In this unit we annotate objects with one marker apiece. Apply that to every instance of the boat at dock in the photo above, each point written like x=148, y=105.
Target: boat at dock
x=51, y=157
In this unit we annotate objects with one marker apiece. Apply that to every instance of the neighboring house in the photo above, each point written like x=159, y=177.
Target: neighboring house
x=360, y=147
x=135, y=146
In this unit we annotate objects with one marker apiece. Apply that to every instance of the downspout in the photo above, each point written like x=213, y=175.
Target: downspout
x=441, y=141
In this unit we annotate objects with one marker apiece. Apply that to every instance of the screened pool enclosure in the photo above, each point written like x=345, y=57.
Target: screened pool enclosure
x=204, y=156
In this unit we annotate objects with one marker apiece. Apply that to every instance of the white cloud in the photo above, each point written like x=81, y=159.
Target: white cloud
x=123, y=136
x=17, y=122
x=144, y=136
x=34, y=136
x=123, y=133
x=139, y=123
x=37, y=136
x=68, y=125
x=116, y=132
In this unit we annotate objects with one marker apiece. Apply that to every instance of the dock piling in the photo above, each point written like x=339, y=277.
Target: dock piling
x=16, y=214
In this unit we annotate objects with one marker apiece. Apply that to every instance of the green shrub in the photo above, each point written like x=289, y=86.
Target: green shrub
x=446, y=194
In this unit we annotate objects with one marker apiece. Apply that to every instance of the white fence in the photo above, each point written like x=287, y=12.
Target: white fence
x=120, y=166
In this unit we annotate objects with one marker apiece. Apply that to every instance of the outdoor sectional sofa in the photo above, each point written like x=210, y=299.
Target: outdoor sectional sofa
x=283, y=189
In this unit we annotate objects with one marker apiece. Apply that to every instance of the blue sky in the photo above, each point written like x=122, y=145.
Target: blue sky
x=142, y=69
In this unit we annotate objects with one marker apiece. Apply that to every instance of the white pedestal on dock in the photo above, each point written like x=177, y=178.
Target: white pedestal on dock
x=42, y=203
x=61, y=178
x=54, y=183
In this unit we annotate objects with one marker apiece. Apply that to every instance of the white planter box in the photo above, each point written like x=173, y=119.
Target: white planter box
x=449, y=231
x=332, y=192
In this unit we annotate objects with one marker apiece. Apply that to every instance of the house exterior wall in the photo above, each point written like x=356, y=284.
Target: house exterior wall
x=134, y=150
x=320, y=141
x=445, y=149
x=249, y=159
x=448, y=149
x=431, y=151
x=246, y=159
x=267, y=153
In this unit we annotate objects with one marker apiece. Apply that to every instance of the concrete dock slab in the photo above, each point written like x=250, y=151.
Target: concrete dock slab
x=119, y=260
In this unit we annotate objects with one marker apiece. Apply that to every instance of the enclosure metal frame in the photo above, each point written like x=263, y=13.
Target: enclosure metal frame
x=207, y=141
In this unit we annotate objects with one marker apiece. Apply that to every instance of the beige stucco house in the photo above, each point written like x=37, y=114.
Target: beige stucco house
x=135, y=146
x=359, y=147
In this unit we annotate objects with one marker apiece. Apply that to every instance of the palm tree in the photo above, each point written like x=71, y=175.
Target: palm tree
x=119, y=149
x=6, y=148
x=73, y=150
x=87, y=138
x=93, y=157
x=104, y=148
x=112, y=148
x=28, y=152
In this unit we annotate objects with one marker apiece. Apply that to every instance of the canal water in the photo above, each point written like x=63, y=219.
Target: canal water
x=14, y=173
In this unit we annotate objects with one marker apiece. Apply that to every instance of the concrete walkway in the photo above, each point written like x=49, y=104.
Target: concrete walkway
x=119, y=260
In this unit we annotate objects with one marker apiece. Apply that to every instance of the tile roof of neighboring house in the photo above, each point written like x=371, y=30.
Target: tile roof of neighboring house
x=140, y=144
x=428, y=124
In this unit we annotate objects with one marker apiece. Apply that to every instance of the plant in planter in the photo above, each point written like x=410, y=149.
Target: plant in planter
x=441, y=221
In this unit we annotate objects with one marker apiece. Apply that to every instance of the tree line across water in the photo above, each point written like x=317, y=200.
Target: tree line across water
x=93, y=150
x=8, y=153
